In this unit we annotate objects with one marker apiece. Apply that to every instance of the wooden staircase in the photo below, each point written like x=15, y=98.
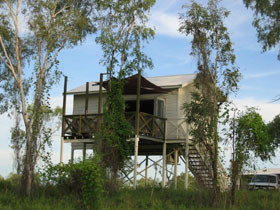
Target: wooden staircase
x=199, y=165
x=199, y=169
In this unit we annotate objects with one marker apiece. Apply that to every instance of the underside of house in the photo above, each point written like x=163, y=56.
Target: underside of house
x=161, y=130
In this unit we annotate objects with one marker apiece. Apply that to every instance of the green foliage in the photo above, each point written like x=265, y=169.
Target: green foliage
x=252, y=134
x=250, y=139
x=123, y=31
x=10, y=184
x=156, y=198
x=274, y=129
x=192, y=184
x=113, y=145
x=266, y=22
x=34, y=32
x=150, y=183
x=83, y=179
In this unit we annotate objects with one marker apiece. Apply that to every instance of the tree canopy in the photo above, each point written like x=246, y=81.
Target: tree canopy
x=266, y=22
x=274, y=129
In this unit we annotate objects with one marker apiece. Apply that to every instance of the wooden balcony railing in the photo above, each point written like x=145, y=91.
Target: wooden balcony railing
x=86, y=126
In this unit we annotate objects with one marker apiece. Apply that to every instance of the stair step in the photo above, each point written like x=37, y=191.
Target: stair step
x=199, y=168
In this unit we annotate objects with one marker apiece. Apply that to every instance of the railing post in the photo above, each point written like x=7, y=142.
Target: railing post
x=100, y=100
x=80, y=125
x=164, y=127
x=153, y=121
x=86, y=102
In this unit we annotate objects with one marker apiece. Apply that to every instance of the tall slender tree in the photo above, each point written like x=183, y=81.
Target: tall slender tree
x=123, y=32
x=217, y=75
x=32, y=34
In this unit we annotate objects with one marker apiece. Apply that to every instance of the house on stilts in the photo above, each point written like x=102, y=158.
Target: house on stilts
x=161, y=129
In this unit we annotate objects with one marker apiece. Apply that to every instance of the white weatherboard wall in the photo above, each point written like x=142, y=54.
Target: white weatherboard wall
x=184, y=96
x=171, y=114
x=79, y=104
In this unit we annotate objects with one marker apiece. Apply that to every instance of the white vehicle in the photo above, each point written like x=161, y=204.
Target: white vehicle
x=265, y=181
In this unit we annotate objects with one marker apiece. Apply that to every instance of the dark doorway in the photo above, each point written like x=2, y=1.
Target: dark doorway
x=146, y=106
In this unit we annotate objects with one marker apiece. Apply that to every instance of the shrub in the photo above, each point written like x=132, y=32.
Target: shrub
x=83, y=178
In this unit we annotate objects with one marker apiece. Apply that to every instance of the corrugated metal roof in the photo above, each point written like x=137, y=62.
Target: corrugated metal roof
x=171, y=81
x=264, y=171
x=166, y=82
x=93, y=87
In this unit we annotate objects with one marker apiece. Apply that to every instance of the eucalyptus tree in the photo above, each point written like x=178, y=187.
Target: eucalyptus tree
x=217, y=74
x=274, y=130
x=250, y=139
x=32, y=34
x=123, y=31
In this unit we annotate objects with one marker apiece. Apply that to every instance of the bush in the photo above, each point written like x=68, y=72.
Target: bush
x=83, y=179
x=11, y=184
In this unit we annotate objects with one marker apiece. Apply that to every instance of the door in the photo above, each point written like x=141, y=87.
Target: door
x=160, y=107
x=159, y=124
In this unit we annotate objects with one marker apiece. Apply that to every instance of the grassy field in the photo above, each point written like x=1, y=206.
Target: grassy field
x=156, y=199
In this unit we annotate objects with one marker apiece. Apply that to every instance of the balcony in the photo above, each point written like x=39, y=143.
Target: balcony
x=86, y=126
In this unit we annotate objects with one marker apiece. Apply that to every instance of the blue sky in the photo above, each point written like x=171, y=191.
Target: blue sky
x=170, y=54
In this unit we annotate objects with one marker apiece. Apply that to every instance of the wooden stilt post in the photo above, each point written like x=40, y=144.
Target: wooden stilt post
x=175, y=168
x=187, y=158
x=137, y=128
x=63, y=120
x=146, y=170
x=72, y=154
x=135, y=161
x=61, y=150
x=84, y=151
x=164, y=165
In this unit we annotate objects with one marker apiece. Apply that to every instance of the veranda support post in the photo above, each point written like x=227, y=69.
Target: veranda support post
x=63, y=121
x=146, y=169
x=72, y=154
x=175, y=168
x=187, y=158
x=164, y=165
x=137, y=128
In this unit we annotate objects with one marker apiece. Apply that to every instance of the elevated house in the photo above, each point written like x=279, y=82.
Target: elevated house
x=161, y=130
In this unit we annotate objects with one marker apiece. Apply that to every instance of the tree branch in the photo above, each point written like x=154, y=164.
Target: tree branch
x=10, y=66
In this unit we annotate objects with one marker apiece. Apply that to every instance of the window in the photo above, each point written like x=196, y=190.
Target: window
x=160, y=108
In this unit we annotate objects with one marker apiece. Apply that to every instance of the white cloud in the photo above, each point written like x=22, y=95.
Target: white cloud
x=265, y=108
x=263, y=74
x=166, y=24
